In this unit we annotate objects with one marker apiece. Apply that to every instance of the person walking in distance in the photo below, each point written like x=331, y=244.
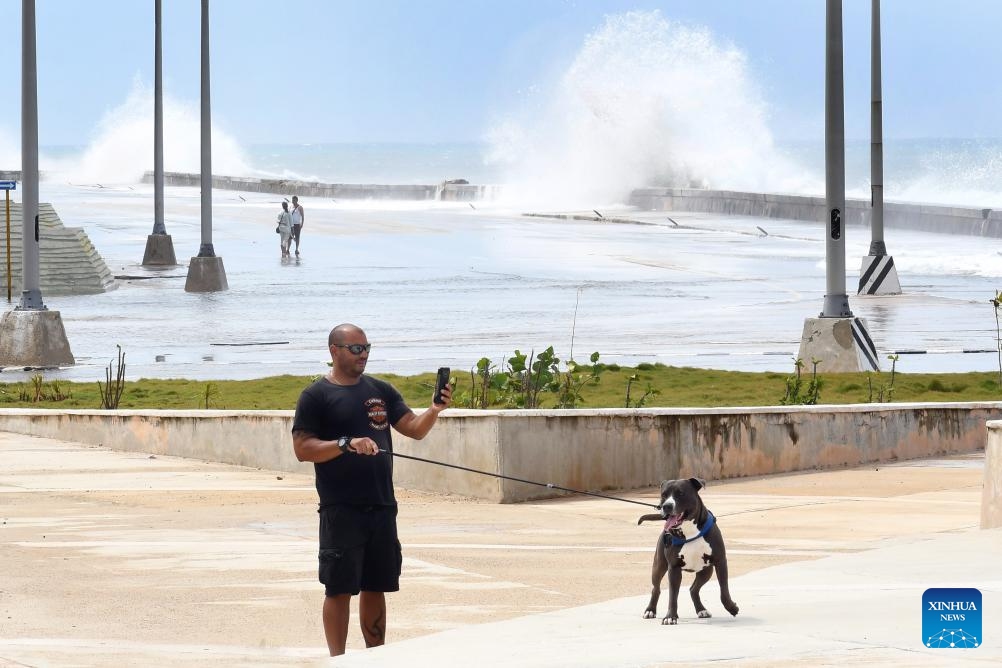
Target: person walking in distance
x=284, y=228
x=298, y=220
x=342, y=425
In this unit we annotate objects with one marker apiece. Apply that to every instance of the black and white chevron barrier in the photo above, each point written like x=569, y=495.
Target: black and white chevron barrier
x=878, y=276
x=867, y=349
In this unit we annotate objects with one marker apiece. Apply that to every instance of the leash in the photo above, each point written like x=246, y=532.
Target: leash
x=548, y=485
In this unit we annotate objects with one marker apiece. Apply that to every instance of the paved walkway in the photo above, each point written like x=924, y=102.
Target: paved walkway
x=112, y=559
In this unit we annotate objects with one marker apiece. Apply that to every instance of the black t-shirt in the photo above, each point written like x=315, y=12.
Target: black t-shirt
x=368, y=408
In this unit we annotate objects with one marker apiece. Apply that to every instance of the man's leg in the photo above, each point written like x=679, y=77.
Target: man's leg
x=372, y=614
x=336, y=612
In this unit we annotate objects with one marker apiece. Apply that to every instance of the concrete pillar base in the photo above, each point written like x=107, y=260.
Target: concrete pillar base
x=878, y=276
x=159, y=251
x=34, y=338
x=206, y=274
x=842, y=345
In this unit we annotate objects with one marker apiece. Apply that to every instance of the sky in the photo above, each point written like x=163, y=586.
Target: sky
x=313, y=71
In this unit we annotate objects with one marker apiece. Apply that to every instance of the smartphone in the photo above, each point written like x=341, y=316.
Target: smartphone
x=441, y=381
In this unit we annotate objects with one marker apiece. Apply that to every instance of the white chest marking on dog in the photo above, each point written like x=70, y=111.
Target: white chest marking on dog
x=693, y=552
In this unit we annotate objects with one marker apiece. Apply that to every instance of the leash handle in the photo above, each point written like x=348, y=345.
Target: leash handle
x=548, y=485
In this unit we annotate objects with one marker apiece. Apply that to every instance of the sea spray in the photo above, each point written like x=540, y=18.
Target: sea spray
x=646, y=102
x=122, y=149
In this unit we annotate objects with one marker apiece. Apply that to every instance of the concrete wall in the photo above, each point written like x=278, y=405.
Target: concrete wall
x=991, y=493
x=453, y=192
x=591, y=450
x=925, y=217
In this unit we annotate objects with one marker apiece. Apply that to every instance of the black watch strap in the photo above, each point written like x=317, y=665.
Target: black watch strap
x=343, y=443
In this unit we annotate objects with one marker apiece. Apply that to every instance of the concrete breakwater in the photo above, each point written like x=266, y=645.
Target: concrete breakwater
x=597, y=449
x=924, y=217
x=447, y=191
x=973, y=221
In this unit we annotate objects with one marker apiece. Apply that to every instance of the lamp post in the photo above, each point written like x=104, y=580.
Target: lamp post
x=31, y=335
x=836, y=339
x=877, y=275
x=205, y=271
x=159, y=245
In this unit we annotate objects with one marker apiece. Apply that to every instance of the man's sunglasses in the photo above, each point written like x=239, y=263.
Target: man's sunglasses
x=355, y=348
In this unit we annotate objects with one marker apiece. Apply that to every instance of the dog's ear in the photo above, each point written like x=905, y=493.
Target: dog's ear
x=697, y=483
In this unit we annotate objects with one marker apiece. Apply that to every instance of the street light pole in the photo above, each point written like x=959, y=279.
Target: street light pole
x=835, y=341
x=159, y=245
x=877, y=275
x=206, y=249
x=836, y=303
x=30, y=334
x=31, y=294
x=205, y=271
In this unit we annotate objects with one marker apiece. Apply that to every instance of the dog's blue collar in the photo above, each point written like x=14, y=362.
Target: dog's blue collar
x=710, y=521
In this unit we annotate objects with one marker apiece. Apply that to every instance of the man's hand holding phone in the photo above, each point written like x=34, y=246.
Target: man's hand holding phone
x=443, y=389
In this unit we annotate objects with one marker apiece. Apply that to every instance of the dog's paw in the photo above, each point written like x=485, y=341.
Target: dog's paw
x=669, y=621
x=650, y=614
x=731, y=607
x=704, y=614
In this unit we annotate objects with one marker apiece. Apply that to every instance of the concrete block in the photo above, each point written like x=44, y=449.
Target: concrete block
x=842, y=344
x=206, y=274
x=34, y=338
x=159, y=251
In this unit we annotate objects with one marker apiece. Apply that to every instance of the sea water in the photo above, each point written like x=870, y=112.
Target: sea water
x=644, y=103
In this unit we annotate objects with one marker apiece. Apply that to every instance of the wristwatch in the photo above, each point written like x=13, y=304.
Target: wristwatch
x=343, y=443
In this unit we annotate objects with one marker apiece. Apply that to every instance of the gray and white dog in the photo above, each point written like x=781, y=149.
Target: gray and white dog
x=691, y=541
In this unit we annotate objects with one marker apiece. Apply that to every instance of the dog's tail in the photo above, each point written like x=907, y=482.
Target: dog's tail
x=654, y=517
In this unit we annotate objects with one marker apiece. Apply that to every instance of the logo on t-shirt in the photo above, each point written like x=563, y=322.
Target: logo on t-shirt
x=378, y=418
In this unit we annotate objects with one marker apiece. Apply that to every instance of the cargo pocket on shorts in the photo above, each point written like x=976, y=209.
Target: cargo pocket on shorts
x=330, y=561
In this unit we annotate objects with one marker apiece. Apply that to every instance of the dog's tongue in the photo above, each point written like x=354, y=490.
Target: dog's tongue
x=672, y=522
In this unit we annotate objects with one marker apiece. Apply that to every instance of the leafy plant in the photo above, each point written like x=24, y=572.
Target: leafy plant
x=481, y=380
x=796, y=393
x=526, y=376
x=575, y=379
x=111, y=392
x=882, y=389
x=649, y=393
x=527, y=379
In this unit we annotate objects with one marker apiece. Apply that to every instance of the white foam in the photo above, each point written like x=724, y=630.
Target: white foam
x=122, y=148
x=646, y=102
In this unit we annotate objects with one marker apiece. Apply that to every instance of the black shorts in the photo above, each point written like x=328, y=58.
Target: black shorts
x=359, y=549
x=296, y=229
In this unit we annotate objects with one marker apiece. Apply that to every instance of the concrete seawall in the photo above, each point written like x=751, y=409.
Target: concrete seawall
x=590, y=450
x=924, y=217
x=973, y=221
x=446, y=191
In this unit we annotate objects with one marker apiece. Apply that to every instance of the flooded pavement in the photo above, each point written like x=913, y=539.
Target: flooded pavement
x=438, y=284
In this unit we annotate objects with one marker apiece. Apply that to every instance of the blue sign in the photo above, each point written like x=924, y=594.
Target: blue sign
x=951, y=618
x=8, y=185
